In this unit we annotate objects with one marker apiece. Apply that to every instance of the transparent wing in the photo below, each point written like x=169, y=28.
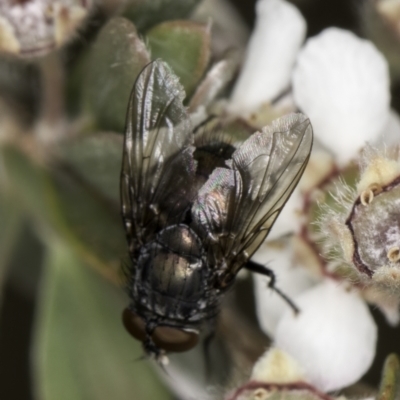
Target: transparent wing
x=157, y=159
x=237, y=206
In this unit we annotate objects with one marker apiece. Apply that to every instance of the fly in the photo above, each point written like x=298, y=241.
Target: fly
x=195, y=208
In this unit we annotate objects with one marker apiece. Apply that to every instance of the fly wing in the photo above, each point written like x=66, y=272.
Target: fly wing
x=237, y=206
x=157, y=164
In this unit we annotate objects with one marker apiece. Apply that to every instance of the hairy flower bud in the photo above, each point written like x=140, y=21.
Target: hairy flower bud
x=360, y=229
x=375, y=219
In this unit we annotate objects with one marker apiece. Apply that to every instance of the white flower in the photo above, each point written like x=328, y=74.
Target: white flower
x=291, y=279
x=333, y=337
x=342, y=83
x=267, y=72
x=391, y=133
x=339, y=81
x=279, y=32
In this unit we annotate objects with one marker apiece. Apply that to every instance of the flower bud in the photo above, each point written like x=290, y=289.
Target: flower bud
x=360, y=229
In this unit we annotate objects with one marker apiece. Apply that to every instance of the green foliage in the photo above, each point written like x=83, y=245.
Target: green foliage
x=81, y=348
x=390, y=383
x=97, y=159
x=147, y=13
x=185, y=46
x=11, y=218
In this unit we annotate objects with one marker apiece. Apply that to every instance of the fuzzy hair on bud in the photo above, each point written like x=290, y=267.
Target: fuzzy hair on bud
x=377, y=169
x=360, y=232
x=335, y=238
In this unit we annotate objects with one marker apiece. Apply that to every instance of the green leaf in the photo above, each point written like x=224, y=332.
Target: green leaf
x=116, y=59
x=25, y=261
x=97, y=159
x=390, y=383
x=11, y=219
x=62, y=203
x=146, y=13
x=76, y=83
x=185, y=46
x=19, y=85
x=81, y=350
x=29, y=183
x=91, y=223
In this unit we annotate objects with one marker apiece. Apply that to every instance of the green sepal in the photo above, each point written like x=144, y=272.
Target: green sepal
x=389, y=388
x=185, y=46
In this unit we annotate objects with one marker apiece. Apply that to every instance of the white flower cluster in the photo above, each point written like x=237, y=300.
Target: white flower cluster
x=342, y=83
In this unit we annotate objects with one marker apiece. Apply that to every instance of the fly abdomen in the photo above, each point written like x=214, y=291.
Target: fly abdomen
x=172, y=270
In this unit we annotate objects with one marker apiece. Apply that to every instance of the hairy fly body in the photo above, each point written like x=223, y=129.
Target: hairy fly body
x=195, y=208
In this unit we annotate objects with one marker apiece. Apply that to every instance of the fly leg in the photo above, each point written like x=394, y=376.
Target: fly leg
x=263, y=270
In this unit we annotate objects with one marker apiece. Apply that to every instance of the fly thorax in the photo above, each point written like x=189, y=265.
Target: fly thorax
x=173, y=265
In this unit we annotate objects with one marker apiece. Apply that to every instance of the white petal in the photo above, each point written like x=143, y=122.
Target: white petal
x=333, y=338
x=342, y=83
x=290, y=279
x=279, y=32
x=391, y=132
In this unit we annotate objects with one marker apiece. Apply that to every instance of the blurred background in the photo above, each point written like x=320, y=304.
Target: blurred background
x=34, y=298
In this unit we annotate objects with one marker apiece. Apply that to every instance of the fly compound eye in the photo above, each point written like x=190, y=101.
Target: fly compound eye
x=164, y=337
x=174, y=339
x=134, y=324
